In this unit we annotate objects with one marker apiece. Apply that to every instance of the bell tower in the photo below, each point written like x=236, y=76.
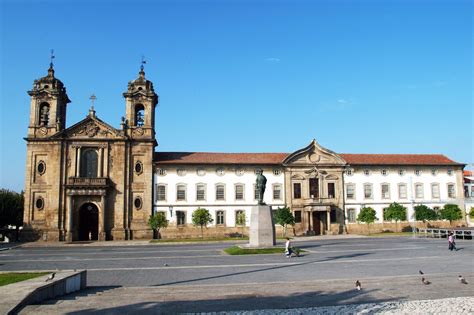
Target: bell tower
x=139, y=127
x=141, y=101
x=47, y=106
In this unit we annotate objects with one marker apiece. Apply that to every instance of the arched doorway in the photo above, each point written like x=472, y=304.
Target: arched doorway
x=88, y=222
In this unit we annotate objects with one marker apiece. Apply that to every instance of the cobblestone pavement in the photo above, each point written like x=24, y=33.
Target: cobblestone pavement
x=463, y=305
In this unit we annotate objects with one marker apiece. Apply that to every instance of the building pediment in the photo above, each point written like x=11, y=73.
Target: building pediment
x=315, y=155
x=91, y=128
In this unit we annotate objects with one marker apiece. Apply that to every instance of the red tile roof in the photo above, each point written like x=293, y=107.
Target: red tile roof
x=398, y=159
x=218, y=158
x=467, y=173
x=277, y=158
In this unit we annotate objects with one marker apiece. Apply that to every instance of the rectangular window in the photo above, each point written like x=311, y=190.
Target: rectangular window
x=239, y=217
x=220, y=192
x=351, y=215
x=180, y=217
x=385, y=191
x=296, y=190
x=314, y=187
x=200, y=192
x=181, y=192
x=368, y=191
x=331, y=190
x=297, y=216
x=451, y=191
x=161, y=193
x=220, y=217
x=419, y=191
x=239, y=192
x=472, y=191
x=402, y=191
x=350, y=191
x=333, y=216
x=276, y=192
x=434, y=191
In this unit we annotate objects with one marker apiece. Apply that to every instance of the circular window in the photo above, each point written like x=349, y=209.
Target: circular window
x=220, y=171
x=181, y=172
x=349, y=172
x=138, y=167
x=239, y=171
x=201, y=172
x=39, y=203
x=161, y=172
x=450, y=172
x=41, y=167
x=366, y=172
x=137, y=203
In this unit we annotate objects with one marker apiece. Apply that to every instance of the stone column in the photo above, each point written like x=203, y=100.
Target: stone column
x=102, y=218
x=78, y=161
x=101, y=156
x=69, y=218
x=328, y=221
x=310, y=221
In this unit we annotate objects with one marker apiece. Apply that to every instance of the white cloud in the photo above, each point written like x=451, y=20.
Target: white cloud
x=272, y=59
x=341, y=101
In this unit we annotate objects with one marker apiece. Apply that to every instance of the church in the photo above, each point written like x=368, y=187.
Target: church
x=91, y=181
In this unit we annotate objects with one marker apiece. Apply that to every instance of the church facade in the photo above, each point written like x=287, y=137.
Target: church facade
x=91, y=181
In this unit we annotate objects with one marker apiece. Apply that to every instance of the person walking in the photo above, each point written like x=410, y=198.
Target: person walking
x=288, y=250
x=451, y=243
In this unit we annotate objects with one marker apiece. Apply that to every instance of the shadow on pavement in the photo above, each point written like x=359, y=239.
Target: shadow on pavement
x=290, y=265
x=245, y=302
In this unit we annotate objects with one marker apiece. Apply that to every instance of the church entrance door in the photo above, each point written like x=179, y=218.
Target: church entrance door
x=316, y=222
x=88, y=222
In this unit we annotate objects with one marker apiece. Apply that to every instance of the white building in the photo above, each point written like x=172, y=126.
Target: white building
x=325, y=190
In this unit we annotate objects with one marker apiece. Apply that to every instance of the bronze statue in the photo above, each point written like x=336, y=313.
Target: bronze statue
x=260, y=185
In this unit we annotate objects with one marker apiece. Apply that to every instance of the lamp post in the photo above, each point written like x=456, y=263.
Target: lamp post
x=170, y=208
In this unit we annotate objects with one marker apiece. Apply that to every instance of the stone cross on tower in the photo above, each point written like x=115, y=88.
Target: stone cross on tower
x=143, y=62
x=52, y=57
x=91, y=110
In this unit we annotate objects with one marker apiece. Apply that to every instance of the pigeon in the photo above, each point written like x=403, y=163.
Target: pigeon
x=462, y=279
x=424, y=281
x=166, y=265
x=51, y=276
x=421, y=272
x=358, y=285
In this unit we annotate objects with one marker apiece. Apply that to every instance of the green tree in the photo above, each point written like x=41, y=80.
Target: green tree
x=471, y=213
x=11, y=209
x=451, y=213
x=368, y=216
x=395, y=212
x=202, y=217
x=156, y=222
x=284, y=217
x=425, y=213
x=240, y=220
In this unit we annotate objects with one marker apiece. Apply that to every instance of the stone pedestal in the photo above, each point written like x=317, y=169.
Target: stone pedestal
x=262, y=229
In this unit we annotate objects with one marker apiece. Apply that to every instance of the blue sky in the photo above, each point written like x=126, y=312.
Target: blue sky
x=251, y=76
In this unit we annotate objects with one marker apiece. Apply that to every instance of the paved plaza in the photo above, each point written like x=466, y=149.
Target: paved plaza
x=200, y=278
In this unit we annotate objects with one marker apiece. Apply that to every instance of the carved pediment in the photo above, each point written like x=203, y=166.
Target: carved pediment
x=314, y=154
x=92, y=128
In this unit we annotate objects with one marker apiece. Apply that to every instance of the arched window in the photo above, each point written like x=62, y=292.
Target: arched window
x=89, y=163
x=44, y=114
x=139, y=115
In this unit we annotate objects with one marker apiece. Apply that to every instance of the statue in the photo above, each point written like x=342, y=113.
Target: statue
x=260, y=185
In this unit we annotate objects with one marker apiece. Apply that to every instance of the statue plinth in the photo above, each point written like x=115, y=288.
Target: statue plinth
x=262, y=229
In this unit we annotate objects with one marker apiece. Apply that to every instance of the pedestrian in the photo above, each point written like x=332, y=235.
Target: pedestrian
x=451, y=243
x=288, y=249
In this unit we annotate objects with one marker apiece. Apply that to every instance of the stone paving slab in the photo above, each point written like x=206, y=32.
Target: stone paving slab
x=464, y=305
x=249, y=297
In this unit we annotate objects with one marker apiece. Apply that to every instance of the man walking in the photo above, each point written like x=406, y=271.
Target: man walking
x=288, y=250
x=451, y=243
